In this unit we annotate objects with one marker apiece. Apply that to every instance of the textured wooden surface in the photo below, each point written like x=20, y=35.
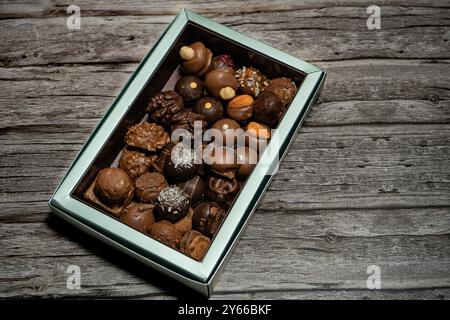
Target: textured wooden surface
x=366, y=182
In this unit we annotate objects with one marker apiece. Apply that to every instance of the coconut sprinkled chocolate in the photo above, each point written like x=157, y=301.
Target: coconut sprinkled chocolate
x=172, y=204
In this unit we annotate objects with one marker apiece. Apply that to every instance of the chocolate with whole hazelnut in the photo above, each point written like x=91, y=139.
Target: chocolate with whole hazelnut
x=196, y=58
x=221, y=84
x=210, y=108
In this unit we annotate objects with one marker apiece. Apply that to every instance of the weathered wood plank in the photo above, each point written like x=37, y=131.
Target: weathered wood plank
x=128, y=38
x=44, y=255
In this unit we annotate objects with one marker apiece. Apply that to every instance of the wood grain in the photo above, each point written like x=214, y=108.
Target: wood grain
x=366, y=181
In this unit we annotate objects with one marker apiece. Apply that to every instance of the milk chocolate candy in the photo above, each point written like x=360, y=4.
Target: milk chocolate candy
x=194, y=244
x=196, y=58
x=166, y=232
x=135, y=162
x=149, y=185
x=207, y=218
x=138, y=216
x=221, y=84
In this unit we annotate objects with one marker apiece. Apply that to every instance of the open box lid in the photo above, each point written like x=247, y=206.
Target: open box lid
x=238, y=215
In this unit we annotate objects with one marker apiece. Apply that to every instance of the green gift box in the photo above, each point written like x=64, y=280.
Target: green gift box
x=158, y=71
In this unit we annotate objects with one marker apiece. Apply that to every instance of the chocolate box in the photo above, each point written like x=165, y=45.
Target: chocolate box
x=157, y=71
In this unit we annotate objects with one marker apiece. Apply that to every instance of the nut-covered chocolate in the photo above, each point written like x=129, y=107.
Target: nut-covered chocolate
x=149, y=185
x=166, y=232
x=196, y=58
x=190, y=88
x=135, y=162
x=138, y=216
x=257, y=136
x=187, y=120
x=246, y=159
x=228, y=129
x=164, y=105
x=194, y=244
x=222, y=190
x=210, y=108
x=221, y=84
x=224, y=61
x=181, y=165
x=172, y=204
x=195, y=188
x=207, y=218
x=147, y=136
x=284, y=88
x=251, y=81
x=240, y=108
x=268, y=108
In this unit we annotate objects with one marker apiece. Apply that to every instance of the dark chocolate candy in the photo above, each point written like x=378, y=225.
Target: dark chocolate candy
x=164, y=105
x=268, y=108
x=207, y=218
x=194, y=244
x=166, y=232
x=210, y=108
x=251, y=81
x=149, y=185
x=228, y=131
x=138, y=216
x=224, y=61
x=223, y=161
x=222, y=190
x=181, y=165
x=246, y=159
x=240, y=108
x=195, y=188
x=172, y=204
x=284, y=88
x=190, y=88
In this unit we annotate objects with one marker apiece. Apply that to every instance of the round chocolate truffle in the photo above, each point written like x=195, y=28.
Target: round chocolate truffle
x=190, y=88
x=196, y=58
x=114, y=185
x=268, y=108
x=194, y=244
x=222, y=190
x=207, y=218
x=284, y=88
x=195, y=188
x=240, y=108
x=210, y=108
x=138, y=216
x=251, y=81
x=228, y=131
x=224, y=61
x=221, y=84
x=172, y=204
x=166, y=232
x=181, y=164
x=149, y=185
x=164, y=105
x=135, y=163
x=246, y=159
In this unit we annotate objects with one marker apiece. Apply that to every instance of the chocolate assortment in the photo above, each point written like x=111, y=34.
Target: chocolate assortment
x=179, y=193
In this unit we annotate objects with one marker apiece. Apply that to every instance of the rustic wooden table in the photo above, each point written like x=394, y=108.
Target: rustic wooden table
x=366, y=182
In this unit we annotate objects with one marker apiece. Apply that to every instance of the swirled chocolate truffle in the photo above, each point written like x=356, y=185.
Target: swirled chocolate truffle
x=196, y=58
x=181, y=165
x=207, y=218
x=147, y=136
x=195, y=188
x=246, y=160
x=224, y=61
x=172, y=204
x=221, y=84
x=135, y=162
x=222, y=190
x=284, y=88
x=114, y=185
x=194, y=244
x=251, y=81
x=138, y=216
x=190, y=88
x=268, y=108
x=164, y=105
x=210, y=108
x=166, y=232
x=228, y=130
x=149, y=185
